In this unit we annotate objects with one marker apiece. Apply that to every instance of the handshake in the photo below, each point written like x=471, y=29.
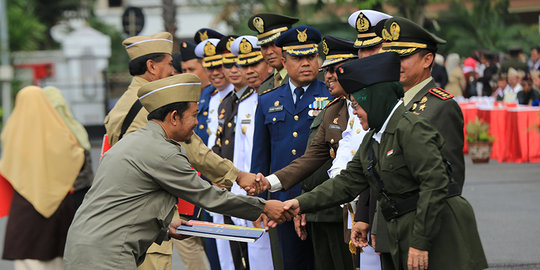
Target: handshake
x=276, y=212
x=253, y=184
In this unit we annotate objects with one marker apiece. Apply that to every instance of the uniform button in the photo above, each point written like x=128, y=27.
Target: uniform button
x=229, y=124
x=293, y=152
x=358, y=131
x=295, y=134
x=216, y=133
x=226, y=142
x=205, y=113
x=332, y=141
x=220, y=100
x=274, y=119
x=296, y=117
x=201, y=126
x=353, y=152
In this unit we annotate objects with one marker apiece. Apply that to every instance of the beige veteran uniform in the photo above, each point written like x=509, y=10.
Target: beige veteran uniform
x=133, y=198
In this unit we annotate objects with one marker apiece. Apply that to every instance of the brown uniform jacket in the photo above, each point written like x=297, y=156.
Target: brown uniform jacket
x=322, y=147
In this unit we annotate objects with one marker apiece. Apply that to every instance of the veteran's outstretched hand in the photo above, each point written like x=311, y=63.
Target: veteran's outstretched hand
x=359, y=234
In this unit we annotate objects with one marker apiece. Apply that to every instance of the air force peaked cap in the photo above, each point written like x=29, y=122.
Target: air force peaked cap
x=364, y=21
x=138, y=46
x=247, y=50
x=178, y=88
x=337, y=50
x=269, y=26
x=300, y=40
x=406, y=37
x=206, y=33
x=363, y=72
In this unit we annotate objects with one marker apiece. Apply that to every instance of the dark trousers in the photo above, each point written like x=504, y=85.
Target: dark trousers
x=386, y=261
x=330, y=250
x=210, y=246
x=297, y=254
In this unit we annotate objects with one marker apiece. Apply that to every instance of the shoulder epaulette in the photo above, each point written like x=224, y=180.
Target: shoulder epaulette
x=247, y=93
x=333, y=102
x=215, y=92
x=269, y=90
x=440, y=93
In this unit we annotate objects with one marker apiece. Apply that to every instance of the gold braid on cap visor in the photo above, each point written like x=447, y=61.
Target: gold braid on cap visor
x=249, y=58
x=212, y=61
x=310, y=49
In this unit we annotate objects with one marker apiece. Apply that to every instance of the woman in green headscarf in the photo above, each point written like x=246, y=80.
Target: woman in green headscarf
x=429, y=223
x=86, y=175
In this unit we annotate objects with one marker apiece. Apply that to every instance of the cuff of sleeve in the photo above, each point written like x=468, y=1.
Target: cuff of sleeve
x=231, y=176
x=334, y=172
x=275, y=184
x=421, y=242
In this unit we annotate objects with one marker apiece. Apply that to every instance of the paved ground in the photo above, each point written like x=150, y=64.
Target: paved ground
x=506, y=200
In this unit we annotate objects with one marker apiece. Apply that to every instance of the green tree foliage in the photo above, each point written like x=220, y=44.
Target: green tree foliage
x=487, y=25
x=26, y=32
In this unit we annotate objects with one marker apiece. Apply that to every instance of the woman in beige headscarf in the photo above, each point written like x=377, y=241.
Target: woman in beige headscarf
x=86, y=175
x=456, y=79
x=41, y=159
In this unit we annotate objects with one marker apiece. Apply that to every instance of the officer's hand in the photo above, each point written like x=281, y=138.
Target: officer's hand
x=175, y=224
x=276, y=211
x=300, y=226
x=359, y=234
x=292, y=206
x=418, y=259
x=262, y=184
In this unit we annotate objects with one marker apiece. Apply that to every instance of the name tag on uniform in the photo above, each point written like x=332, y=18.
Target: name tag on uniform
x=275, y=109
x=332, y=126
x=246, y=121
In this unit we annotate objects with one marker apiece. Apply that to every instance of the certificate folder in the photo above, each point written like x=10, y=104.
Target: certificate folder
x=221, y=231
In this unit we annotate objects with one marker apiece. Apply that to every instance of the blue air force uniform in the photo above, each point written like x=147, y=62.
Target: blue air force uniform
x=281, y=132
x=202, y=116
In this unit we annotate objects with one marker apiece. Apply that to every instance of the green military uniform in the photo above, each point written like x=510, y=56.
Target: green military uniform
x=444, y=227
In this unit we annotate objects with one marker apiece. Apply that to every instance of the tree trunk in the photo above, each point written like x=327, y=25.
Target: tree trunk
x=169, y=16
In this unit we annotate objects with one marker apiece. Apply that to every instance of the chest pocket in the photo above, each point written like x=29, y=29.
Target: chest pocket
x=275, y=123
x=394, y=172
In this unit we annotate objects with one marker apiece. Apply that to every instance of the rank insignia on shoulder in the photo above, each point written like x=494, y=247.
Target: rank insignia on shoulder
x=215, y=92
x=268, y=90
x=440, y=93
x=423, y=100
x=414, y=106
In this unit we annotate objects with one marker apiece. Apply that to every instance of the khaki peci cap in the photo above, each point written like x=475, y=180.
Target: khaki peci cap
x=138, y=46
x=184, y=87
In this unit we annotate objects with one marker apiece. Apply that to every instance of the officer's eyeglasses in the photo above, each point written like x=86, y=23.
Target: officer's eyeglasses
x=329, y=69
x=354, y=105
x=230, y=65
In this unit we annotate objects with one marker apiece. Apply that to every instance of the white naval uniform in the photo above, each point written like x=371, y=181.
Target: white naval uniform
x=352, y=137
x=223, y=247
x=259, y=252
x=213, y=113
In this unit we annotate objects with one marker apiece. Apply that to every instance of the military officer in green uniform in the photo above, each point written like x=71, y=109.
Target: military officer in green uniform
x=311, y=168
x=269, y=27
x=430, y=225
x=133, y=198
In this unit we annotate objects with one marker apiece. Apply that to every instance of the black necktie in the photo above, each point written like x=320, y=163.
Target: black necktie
x=298, y=93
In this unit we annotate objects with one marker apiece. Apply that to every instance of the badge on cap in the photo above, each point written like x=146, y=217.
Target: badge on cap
x=302, y=36
x=203, y=35
x=245, y=46
x=229, y=42
x=184, y=44
x=259, y=24
x=325, y=47
x=209, y=49
x=362, y=23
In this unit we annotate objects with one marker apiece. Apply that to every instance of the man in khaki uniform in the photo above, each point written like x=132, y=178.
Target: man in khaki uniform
x=133, y=198
x=151, y=60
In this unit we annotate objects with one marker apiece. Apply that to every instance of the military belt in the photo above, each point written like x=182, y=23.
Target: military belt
x=398, y=209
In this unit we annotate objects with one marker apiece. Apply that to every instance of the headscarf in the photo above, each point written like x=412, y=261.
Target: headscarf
x=40, y=156
x=60, y=105
x=378, y=100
